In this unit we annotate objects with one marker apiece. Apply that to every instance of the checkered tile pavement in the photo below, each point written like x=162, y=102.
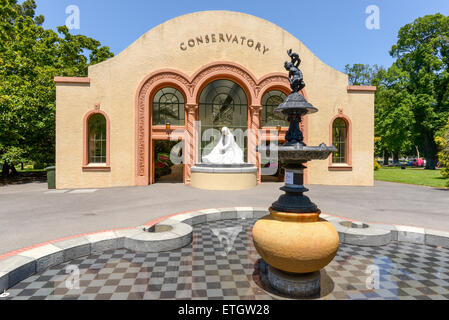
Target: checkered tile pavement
x=222, y=263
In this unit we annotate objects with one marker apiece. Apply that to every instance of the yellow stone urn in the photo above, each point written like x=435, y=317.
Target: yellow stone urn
x=296, y=242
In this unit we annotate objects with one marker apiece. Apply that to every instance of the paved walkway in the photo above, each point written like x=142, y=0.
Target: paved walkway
x=29, y=214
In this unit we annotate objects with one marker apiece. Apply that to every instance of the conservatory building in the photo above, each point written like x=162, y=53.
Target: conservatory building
x=152, y=112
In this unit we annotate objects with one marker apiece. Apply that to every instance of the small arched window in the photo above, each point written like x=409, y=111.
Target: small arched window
x=271, y=101
x=340, y=141
x=168, y=107
x=97, y=139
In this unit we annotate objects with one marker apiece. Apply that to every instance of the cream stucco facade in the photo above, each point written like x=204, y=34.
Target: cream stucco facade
x=189, y=52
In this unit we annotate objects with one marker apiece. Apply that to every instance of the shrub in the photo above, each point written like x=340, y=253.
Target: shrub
x=442, y=140
x=376, y=165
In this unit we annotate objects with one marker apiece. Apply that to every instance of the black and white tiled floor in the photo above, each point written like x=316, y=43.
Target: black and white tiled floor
x=222, y=263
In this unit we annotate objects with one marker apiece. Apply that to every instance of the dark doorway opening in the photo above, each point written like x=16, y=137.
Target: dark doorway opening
x=168, y=161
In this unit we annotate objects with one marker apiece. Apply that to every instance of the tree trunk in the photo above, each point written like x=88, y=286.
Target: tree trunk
x=5, y=170
x=430, y=151
x=396, y=157
x=8, y=170
x=13, y=170
x=386, y=158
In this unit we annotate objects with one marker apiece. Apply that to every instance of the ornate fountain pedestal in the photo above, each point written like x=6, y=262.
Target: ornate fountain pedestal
x=296, y=245
x=293, y=240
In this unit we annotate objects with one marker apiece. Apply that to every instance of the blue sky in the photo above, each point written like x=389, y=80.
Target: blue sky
x=334, y=30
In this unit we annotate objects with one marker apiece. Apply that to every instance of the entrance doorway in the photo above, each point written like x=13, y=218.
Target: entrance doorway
x=271, y=170
x=223, y=103
x=168, y=161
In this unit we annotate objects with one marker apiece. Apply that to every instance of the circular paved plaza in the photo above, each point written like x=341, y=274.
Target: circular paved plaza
x=221, y=263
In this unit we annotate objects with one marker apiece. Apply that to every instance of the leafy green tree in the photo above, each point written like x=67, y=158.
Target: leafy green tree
x=393, y=118
x=393, y=113
x=30, y=57
x=362, y=74
x=422, y=51
x=412, y=99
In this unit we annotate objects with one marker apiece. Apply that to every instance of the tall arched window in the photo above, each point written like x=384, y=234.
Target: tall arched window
x=168, y=107
x=97, y=137
x=340, y=141
x=271, y=101
x=222, y=103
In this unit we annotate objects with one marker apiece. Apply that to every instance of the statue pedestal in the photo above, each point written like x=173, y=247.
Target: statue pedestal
x=224, y=177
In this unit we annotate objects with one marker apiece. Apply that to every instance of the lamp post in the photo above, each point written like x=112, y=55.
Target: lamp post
x=168, y=128
x=293, y=240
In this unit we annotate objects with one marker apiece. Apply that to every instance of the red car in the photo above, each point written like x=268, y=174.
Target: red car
x=418, y=162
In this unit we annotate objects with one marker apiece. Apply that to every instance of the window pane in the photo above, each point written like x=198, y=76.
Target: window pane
x=271, y=101
x=223, y=103
x=168, y=107
x=340, y=140
x=97, y=139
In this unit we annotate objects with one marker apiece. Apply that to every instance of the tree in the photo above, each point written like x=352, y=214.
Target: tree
x=393, y=118
x=422, y=51
x=30, y=57
x=412, y=99
x=393, y=113
x=362, y=74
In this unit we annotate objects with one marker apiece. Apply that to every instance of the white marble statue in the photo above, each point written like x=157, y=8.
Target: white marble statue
x=226, y=151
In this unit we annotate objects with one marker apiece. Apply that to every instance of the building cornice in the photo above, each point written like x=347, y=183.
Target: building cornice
x=72, y=80
x=362, y=89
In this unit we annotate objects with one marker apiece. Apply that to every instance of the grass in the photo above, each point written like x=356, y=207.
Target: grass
x=417, y=176
x=31, y=170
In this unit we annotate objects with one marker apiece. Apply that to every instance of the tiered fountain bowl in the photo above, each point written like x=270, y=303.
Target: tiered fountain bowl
x=293, y=240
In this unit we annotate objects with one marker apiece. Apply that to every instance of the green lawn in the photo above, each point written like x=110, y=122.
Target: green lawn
x=31, y=170
x=431, y=178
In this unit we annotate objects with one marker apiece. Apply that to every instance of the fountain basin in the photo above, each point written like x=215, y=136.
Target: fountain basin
x=299, y=153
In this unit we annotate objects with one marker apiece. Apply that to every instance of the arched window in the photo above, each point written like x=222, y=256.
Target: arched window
x=97, y=139
x=222, y=103
x=271, y=101
x=168, y=107
x=340, y=141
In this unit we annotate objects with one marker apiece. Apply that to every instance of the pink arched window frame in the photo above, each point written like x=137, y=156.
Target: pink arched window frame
x=86, y=165
x=348, y=165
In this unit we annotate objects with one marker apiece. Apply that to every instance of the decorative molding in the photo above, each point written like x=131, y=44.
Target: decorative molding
x=96, y=168
x=340, y=168
x=272, y=82
x=221, y=68
x=148, y=86
x=362, y=89
x=73, y=80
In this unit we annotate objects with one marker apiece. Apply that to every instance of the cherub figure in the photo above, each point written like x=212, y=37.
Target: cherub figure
x=295, y=58
x=295, y=75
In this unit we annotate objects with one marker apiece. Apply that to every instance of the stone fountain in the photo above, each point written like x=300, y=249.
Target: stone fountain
x=293, y=240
